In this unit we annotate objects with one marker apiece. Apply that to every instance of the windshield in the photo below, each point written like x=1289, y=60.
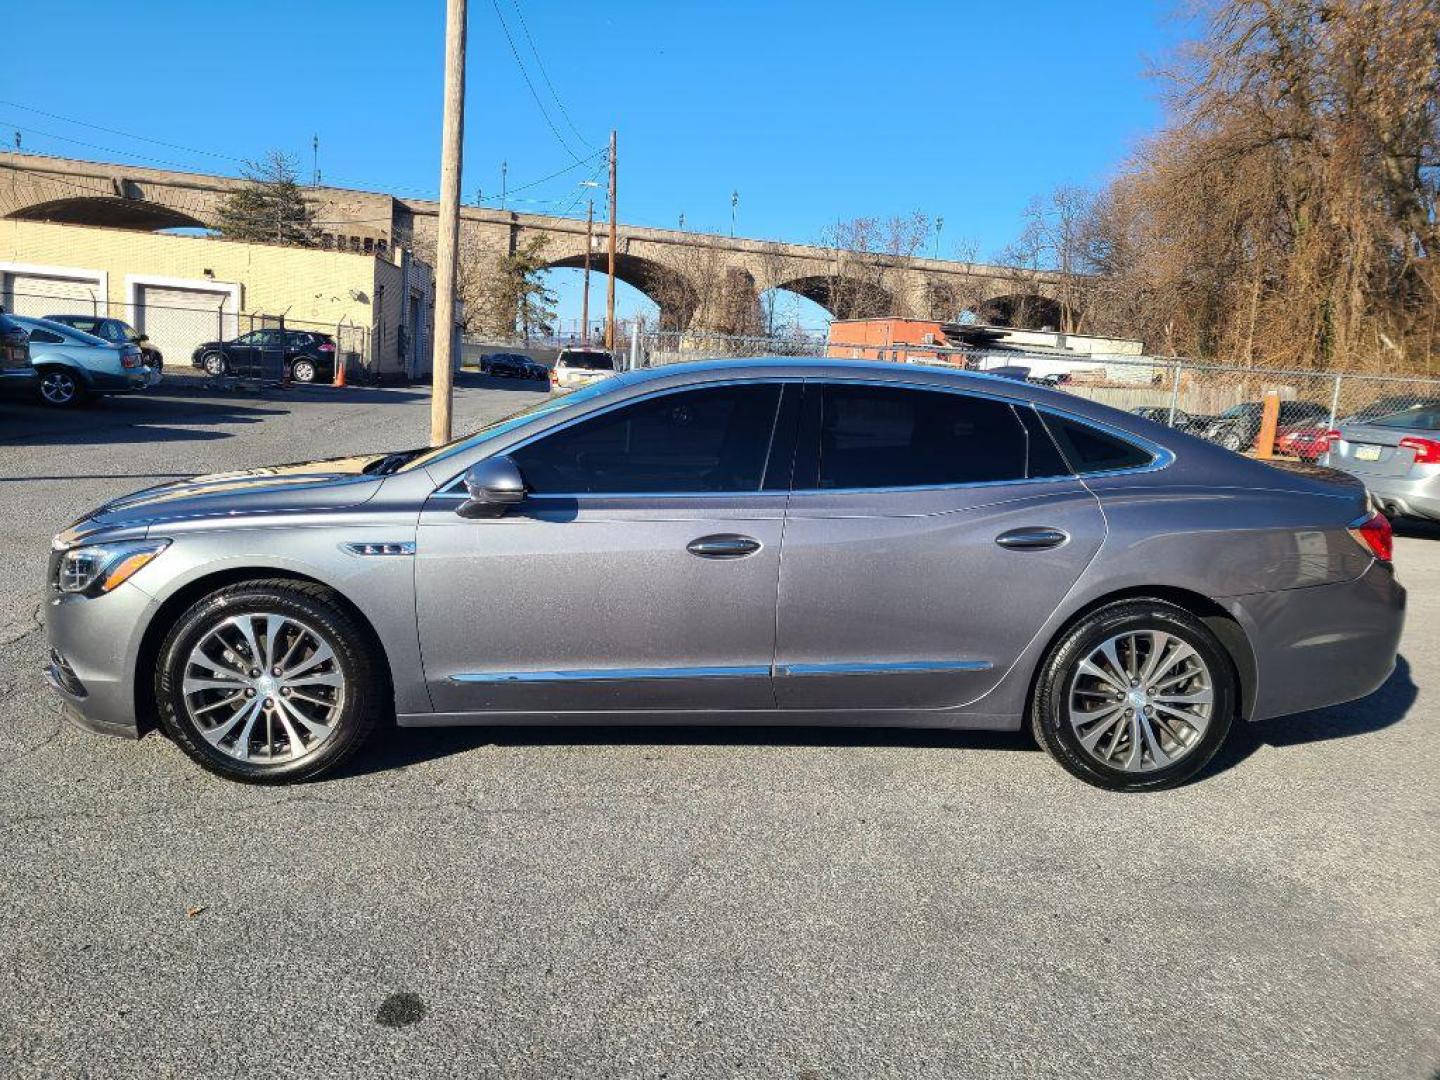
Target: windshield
x=553, y=403
x=1238, y=410
x=1418, y=419
x=589, y=361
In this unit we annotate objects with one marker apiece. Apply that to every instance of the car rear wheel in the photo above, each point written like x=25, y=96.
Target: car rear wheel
x=214, y=364
x=1232, y=440
x=303, y=371
x=267, y=682
x=60, y=388
x=1136, y=696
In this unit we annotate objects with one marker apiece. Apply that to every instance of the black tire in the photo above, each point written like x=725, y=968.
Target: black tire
x=60, y=388
x=1049, y=703
x=316, y=606
x=1233, y=440
x=215, y=364
x=303, y=371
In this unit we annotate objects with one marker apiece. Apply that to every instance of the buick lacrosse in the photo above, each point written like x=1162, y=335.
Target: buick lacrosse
x=757, y=542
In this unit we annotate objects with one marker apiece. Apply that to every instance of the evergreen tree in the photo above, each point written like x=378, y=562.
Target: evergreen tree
x=270, y=208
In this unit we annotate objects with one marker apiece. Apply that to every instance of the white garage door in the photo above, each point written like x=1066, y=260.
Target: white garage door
x=50, y=294
x=177, y=320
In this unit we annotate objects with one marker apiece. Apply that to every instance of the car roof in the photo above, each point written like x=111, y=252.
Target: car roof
x=64, y=329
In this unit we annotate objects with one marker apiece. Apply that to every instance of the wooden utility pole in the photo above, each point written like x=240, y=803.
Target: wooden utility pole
x=610, y=286
x=585, y=300
x=447, y=246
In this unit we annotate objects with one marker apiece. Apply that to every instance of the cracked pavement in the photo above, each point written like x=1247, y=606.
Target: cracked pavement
x=685, y=903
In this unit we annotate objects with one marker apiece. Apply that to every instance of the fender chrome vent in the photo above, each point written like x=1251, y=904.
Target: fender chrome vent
x=384, y=547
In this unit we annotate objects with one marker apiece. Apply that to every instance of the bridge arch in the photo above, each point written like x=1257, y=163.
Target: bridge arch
x=109, y=211
x=1022, y=310
x=668, y=290
x=844, y=297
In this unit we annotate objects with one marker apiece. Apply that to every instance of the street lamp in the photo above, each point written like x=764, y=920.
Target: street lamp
x=682, y=220
x=939, y=224
x=734, y=204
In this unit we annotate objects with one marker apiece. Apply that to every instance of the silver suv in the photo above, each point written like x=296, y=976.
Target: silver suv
x=759, y=542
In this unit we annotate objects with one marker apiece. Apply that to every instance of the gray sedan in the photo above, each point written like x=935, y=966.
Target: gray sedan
x=1396, y=457
x=757, y=542
x=73, y=365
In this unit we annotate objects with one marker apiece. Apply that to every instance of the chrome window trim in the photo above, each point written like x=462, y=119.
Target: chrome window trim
x=446, y=488
x=1161, y=456
x=910, y=667
x=609, y=674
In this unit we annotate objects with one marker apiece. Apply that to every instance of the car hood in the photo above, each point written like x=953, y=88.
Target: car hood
x=331, y=484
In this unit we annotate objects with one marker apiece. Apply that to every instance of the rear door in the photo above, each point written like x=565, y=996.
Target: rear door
x=638, y=574
x=930, y=535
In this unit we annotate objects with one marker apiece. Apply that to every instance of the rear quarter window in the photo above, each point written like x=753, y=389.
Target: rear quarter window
x=1090, y=450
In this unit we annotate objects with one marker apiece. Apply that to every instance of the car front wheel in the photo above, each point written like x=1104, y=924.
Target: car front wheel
x=214, y=364
x=1137, y=695
x=267, y=682
x=60, y=388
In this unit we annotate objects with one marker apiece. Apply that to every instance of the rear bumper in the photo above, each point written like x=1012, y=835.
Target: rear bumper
x=1413, y=498
x=1322, y=645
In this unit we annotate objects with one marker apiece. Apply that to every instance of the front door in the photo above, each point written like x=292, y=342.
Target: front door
x=638, y=574
x=929, y=536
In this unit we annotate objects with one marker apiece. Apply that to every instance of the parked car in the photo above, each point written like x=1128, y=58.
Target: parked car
x=303, y=356
x=16, y=371
x=1238, y=427
x=1385, y=406
x=1396, y=457
x=116, y=331
x=73, y=366
x=581, y=367
x=1161, y=415
x=1304, y=441
x=754, y=542
x=513, y=366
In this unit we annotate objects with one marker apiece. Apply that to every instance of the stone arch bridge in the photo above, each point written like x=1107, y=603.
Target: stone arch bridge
x=700, y=281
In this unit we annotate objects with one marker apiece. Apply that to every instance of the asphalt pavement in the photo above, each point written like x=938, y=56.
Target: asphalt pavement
x=685, y=903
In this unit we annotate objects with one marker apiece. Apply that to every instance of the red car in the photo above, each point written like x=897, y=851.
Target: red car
x=1303, y=441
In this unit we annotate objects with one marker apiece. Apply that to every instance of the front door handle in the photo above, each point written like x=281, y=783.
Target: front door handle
x=723, y=546
x=1032, y=538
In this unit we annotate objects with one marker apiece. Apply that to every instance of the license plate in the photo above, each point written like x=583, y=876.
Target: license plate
x=1367, y=453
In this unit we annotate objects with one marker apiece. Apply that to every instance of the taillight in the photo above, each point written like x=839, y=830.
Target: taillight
x=130, y=361
x=325, y=346
x=1326, y=441
x=1427, y=451
x=1375, y=535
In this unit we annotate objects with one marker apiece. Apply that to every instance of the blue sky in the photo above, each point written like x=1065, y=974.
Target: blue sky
x=813, y=112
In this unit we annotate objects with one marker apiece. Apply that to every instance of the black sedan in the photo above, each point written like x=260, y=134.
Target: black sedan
x=302, y=356
x=513, y=366
x=1237, y=427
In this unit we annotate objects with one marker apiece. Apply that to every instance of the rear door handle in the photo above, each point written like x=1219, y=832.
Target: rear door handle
x=1032, y=538
x=723, y=546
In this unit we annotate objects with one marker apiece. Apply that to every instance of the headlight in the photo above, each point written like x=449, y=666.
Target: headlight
x=98, y=568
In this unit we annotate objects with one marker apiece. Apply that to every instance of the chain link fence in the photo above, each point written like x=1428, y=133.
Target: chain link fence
x=214, y=341
x=1220, y=402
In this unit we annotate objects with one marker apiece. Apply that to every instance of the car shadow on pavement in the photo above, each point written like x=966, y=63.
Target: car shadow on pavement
x=1385, y=707
x=1416, y=528
x=128, y=421
x=397, y=747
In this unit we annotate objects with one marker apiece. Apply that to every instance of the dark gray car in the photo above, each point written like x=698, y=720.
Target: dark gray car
x=757, y=542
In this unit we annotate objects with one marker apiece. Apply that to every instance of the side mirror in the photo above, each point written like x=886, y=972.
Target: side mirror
x=494, y=485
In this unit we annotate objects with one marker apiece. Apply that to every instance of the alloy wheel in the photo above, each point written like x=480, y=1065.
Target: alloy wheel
x=214, y=364
x=303, y=371
x=1141, y=701
x=264, y=688
x=58, y=387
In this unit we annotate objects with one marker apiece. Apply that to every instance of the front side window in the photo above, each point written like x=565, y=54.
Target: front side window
x=897, y=437
x=252, y=338
x=700, y=441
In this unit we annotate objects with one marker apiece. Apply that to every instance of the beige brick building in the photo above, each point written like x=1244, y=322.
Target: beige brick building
x=182, y=290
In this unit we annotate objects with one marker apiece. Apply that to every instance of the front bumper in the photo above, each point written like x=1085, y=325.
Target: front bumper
x=1322, y=645
x=95, y=643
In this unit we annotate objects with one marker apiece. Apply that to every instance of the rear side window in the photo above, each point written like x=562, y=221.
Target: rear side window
x=690, y=442
x=889, y=437
x=1089, y=450
x=45, y=337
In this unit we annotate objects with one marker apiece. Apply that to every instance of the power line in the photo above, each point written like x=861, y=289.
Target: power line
x=96, y=146
x=526, y=76
x=545, y=74
x=117, y=131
